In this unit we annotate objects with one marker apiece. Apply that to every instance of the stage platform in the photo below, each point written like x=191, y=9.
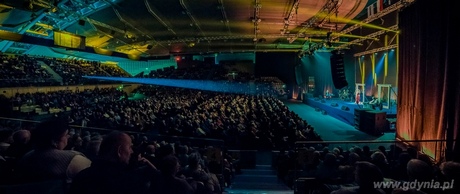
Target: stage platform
x=343, y=110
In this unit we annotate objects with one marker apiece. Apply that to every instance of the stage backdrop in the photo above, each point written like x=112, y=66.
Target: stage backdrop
x=377, y=68
x=318, y=66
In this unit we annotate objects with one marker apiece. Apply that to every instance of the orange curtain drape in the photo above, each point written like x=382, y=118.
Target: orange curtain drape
x=427, y=79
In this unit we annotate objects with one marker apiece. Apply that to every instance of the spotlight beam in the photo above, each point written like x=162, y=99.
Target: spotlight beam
x=217, y=86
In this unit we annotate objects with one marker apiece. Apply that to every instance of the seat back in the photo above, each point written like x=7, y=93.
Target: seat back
x=44, y=187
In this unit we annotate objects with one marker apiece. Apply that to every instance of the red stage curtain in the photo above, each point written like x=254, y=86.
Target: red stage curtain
x=428, y=83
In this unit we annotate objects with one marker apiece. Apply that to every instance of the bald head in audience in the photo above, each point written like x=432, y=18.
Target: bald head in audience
x=419, y=170
x=21, y=136
x=116, y=147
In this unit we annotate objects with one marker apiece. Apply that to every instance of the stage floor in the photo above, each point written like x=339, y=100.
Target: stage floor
x=332, y=129
x=343, y=110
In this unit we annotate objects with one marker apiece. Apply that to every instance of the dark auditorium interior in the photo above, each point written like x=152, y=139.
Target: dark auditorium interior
x=229, y=97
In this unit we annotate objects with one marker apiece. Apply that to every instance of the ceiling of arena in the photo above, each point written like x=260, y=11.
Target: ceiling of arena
x=165, y=27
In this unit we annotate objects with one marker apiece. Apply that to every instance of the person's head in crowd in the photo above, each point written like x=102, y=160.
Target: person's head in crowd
x=419, y=170
x=346, y=173
x=383, y=149
x=75, y=142
x=412, y=152
x=165, y=150
x=86, y=134
x=330, y=160
x=378, y=158
x=325, y=150
x=52, y=133
x=336, y=151
x=366, y=149
x=182, y=149
x=150, y=150
x=20, y=144
x=351, y=150
x=340, y=149
x=353, y=158
x=425, y=158
x=170, y=165
x=366, y=174
x=116, y=147
x=359, y=151
x=21, y=136
x=194, y=160
x=450, y=170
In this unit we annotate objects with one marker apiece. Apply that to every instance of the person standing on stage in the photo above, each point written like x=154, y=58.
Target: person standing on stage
x=357, y=96
x=328, y=95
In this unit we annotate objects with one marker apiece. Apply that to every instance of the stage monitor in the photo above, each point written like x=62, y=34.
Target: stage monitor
x=69, y=40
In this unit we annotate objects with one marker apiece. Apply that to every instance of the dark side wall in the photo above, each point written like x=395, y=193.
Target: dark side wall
x=281, y=65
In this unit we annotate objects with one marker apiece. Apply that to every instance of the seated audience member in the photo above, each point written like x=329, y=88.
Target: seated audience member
x=346, y=172
x=366, y=174
x=170, y=183
x=400, y=167
x=379, y=159
x=21, y=144
x=111, y=172
x=48, y=160
x=451, y=173
x=198, y=173
x=328, y=168
x=420, y=171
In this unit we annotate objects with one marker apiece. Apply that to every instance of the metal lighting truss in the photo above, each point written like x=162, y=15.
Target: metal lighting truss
x=376, y=50
x=256, y=19
x=289, y=19
x=325, y=12
x=398, y=5
x=370, y=36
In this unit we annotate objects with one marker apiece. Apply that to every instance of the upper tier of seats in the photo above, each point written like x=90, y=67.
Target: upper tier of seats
x=24, y=70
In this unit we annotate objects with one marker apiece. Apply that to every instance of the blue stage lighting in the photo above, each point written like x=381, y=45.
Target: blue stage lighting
x=217, y=86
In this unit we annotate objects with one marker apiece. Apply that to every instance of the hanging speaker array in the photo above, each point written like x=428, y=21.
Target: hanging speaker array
x=338, y=71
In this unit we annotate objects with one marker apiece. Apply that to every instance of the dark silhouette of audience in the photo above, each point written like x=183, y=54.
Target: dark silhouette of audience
x=169, y=182
x=48, y=160
x=111, y=172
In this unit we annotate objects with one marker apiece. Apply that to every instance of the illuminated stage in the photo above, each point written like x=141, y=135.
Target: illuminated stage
x=344, y=110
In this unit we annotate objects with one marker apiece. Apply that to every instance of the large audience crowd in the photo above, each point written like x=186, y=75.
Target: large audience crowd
x=107, y=142
x=24, y=70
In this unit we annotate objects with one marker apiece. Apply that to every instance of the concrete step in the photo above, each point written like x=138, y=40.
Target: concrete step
x=257, y=172
x=260, y=186
x=264, y=167
x=256, y=179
